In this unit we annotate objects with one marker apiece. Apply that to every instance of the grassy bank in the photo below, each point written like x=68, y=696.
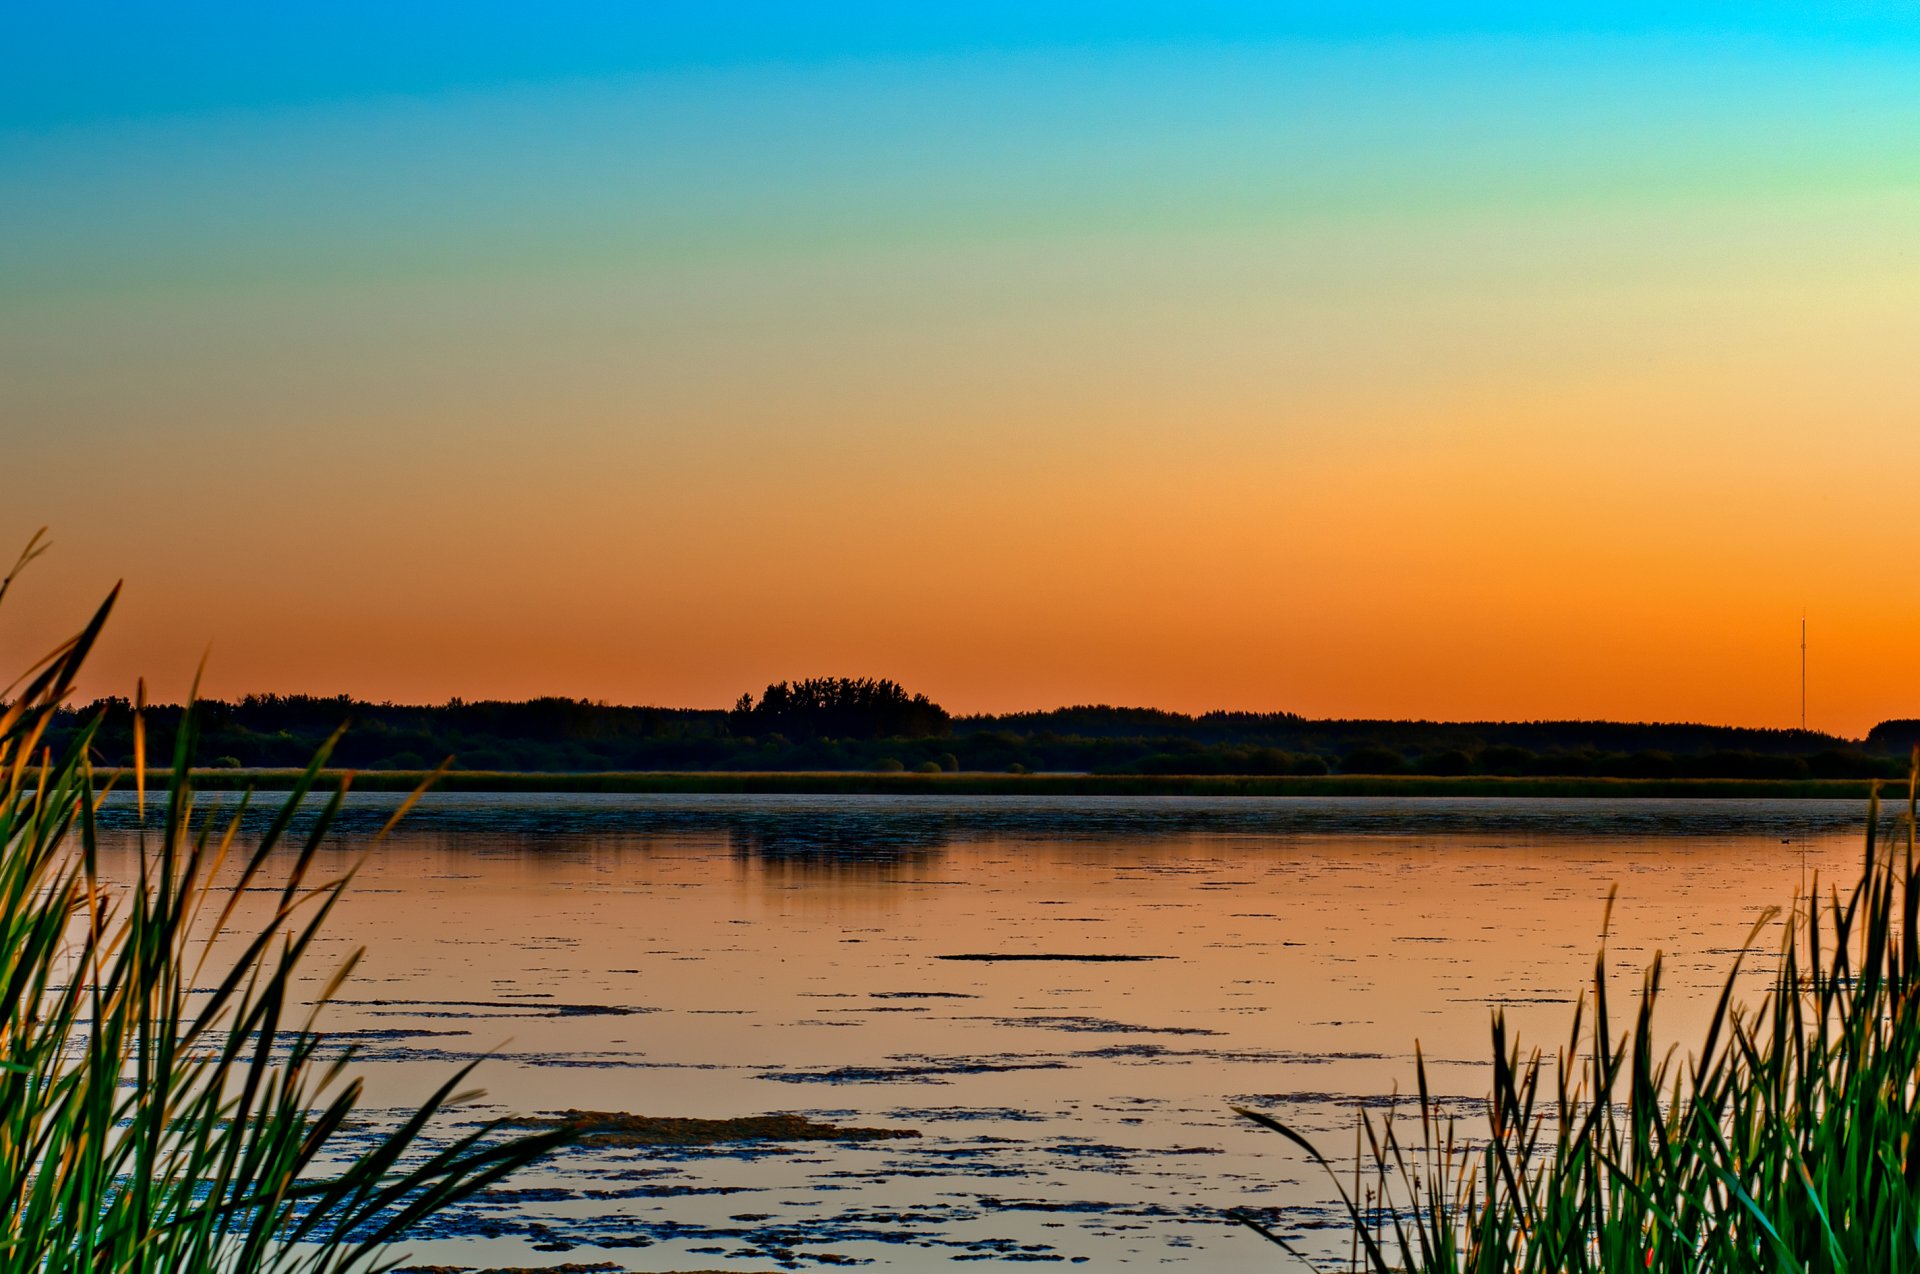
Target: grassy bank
x=1784, y=1141
x=852, y=783
x=168, y=1101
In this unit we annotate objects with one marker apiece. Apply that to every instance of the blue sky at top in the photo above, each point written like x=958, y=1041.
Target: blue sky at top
x=89, y=61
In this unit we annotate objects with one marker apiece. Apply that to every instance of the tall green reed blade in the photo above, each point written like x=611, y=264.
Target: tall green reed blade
x=1789, y=1141
x=167, y=1102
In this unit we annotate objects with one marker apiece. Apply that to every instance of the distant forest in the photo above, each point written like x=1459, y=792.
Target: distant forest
x=868, y=724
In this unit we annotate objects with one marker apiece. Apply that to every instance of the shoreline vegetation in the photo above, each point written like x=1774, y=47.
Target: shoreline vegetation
x=1783, y=1142
x=169, y=1097
x=863, y=725
x=965, y=784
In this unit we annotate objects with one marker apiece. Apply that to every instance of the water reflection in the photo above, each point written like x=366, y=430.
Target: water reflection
x=846, y=819
x=719, y=957
x=854, y=842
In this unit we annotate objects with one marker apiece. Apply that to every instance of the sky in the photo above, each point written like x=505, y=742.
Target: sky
x=1487, y=361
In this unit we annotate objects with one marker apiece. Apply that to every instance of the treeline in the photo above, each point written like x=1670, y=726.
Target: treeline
x=864, y=724
x=274, y=731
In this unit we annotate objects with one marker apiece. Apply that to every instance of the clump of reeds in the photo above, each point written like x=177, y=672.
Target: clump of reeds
x=164, y=1101
x=1789, y=1141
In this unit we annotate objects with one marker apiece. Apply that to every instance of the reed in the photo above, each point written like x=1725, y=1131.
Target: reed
x=166, y=1102
x=1788, y=1141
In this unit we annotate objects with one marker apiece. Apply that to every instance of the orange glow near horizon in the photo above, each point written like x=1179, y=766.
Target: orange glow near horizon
x=1523, y=559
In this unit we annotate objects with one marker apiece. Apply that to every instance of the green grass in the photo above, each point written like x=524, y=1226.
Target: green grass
x=1787, y=1140
x=166, y=1103
x=844, y=782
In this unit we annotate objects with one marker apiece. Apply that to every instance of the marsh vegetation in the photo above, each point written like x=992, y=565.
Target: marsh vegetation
x=1787, y=1138
x=165, y=1101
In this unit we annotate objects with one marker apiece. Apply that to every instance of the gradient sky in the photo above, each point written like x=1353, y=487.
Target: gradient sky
x=1448, y=361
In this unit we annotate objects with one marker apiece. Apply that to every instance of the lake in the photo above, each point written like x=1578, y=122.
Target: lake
x=721, y=956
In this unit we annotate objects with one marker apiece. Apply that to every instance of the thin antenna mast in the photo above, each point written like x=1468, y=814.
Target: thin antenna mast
x=1803, y=670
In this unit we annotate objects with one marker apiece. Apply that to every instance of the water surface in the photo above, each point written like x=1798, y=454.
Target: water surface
x=718, y=956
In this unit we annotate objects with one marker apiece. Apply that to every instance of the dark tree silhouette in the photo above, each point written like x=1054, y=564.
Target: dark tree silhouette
x=839, y=708
x=854, y=724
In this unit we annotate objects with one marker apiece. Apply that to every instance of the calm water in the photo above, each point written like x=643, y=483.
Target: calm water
x=720, y=956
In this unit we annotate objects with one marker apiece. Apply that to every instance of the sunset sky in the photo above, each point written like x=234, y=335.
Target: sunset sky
x=1465, y=361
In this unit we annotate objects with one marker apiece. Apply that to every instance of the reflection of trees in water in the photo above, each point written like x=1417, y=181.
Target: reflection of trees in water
x=863, y=840
x=838, y=842
x=855, y=828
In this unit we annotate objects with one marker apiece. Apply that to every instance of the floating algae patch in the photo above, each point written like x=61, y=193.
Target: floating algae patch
x=1094, y=1025
x=605, y=1128
x=999, y=957
x=963, y=1114
x=526, y=1006
x=597, y=1267
x=911, y=1072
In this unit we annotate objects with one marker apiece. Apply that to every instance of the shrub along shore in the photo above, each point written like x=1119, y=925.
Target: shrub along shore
x=886, y=783
x=853, y=725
